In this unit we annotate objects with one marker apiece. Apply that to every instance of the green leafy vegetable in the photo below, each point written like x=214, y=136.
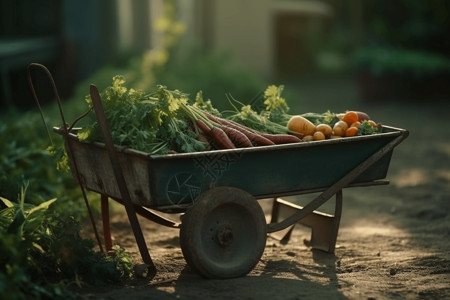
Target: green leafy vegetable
x=327, y=117
x=366, y=128
x=154, y=122
x=205, y=105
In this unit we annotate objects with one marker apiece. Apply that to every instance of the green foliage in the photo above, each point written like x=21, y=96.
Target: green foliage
x=214, y=74
x=276, y=107
x=23, y=159
x=409, y=44
x=154, y=122
x=407, y=63
x=411, y=24
x=40, y=253
x=366, y=129
x=328, y=117
x=269, y=114
x=205, y=105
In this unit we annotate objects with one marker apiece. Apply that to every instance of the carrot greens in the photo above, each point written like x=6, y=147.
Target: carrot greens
x=150, y=122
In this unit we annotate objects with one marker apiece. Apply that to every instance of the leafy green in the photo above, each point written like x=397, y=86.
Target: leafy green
x=276, y=108
x=275, y=115
x=247, y=116
x=366, y=128
x=153, y=122
x=40, y=252
x=327, y=117
x=205, y=105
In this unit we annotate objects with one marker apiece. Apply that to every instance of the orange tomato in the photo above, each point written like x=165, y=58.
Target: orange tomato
x=350, y=117
x=351, y=131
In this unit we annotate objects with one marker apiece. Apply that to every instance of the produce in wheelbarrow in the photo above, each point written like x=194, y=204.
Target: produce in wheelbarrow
x=163, y=121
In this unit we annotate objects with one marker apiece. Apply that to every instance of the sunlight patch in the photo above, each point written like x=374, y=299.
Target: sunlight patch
x=411, y=177
x=365, y=228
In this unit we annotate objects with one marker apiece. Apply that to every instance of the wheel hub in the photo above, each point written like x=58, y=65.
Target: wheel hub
x=225, y=235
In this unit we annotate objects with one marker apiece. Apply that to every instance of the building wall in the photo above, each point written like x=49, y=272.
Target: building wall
x=250, y=30
x=245, y=27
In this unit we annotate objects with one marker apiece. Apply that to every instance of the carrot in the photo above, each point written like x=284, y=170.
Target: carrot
x=218, y=136
x=254, y=136
x=281, y=138
x=221, y=138
x=213, y=118
x=203, y=127
x=237, y=137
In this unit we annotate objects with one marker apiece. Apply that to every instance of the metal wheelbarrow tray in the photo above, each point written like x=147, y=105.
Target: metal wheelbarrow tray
x=174, y=181
x=223, y=228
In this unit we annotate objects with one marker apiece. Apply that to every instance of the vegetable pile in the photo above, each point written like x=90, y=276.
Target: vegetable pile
x=164, y=121
x=348, y=124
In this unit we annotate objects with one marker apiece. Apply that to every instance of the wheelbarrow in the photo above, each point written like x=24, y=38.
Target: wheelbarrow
x=223, y=228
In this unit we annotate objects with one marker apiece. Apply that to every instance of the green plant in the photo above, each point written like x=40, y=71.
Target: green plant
x=401, y=62
x=23, y=158
x=411, y=24
x=40, y=253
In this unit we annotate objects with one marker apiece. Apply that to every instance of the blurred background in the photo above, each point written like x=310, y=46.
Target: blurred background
x=388, y=49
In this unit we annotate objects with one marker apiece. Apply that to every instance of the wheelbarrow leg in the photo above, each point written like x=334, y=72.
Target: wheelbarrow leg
x=123, y=189
x=106, y=222
x=324, y=227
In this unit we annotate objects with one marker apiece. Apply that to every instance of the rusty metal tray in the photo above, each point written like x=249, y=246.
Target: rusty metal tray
x=266, y=171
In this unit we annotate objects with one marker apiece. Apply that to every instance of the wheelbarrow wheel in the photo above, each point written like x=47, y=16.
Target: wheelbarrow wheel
x=223, y=235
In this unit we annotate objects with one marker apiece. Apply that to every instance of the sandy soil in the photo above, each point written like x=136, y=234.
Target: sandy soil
x=393, y=242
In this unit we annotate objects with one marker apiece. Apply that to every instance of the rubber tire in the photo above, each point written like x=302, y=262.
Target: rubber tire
x=223, y=235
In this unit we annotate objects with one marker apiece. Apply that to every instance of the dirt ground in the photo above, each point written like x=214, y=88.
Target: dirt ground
x=393, y=242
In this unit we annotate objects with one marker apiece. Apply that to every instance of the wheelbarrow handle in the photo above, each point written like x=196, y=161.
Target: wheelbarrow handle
x=36, y=99
x=67, y=128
